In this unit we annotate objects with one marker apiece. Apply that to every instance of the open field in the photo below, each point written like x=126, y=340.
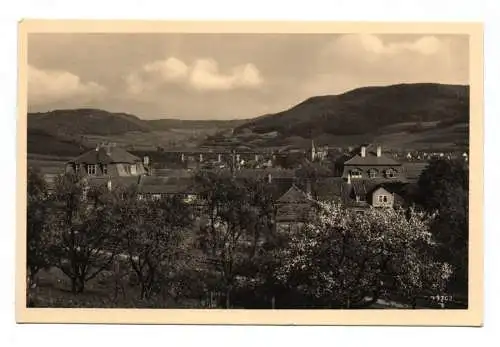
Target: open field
x=54, y=290
x=153, y=139
x=108, y=291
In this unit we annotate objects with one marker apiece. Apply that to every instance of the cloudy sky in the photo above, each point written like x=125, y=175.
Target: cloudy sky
x=226, y=76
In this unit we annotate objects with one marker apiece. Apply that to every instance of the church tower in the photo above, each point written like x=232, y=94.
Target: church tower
x=313, y=151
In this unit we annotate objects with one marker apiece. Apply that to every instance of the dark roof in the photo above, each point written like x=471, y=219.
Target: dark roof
x=413, y=170
x=336, y=188
x=166, y=185
x=172, y=172
x=294, y=212
x=293, y=195
x=106, y=155
x=115, y=181
x=275, y=173
x=371, y=159
x=330, y=188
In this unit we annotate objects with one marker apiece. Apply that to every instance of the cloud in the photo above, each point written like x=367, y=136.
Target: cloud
x=201, y=75
x=357, y=60
x=426, y=45
x=48, y=86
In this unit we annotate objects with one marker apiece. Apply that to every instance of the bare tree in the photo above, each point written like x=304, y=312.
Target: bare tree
x=153, y=234
x=235, y=217
x=83, y=234
x=36, y=226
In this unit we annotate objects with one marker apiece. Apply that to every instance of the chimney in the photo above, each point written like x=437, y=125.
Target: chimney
x=108, y=149
x=379, y=151
x=363, y=151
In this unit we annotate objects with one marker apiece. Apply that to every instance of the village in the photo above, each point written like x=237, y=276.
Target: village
x=228, y=178
x=297, y=185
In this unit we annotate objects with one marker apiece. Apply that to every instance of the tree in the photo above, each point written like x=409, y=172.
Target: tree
x=36, y=225
x=444, y=187
x=153, y=234
x=233, y=220
x=83, y=233
x=342, y=258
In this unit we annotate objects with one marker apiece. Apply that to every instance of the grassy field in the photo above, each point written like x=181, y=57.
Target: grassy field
x=54, y=290
x=152, y=140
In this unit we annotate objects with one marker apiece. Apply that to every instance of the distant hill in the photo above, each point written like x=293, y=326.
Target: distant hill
x=63, y=132
x=370, y=112
x=86, y=121
x=42, y=142
x=169, y=124
x=100, y=122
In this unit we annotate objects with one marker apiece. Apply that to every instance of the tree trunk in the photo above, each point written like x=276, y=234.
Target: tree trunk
x=73, y=285
x=228, y=297
x=77, y=285
x=143, y=291
x=413, y=303
x=32, y=277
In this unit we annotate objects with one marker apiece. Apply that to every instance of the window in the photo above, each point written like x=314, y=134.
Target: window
x=356, y=173
x=382, y=199
x=360, y=198
x=133, y=169
x=104, y=169
x=372, y=173
x=77, y=168
x=390, y=173
x=91, y=169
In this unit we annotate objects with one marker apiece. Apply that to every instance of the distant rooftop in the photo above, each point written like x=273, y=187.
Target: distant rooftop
x=106, y=155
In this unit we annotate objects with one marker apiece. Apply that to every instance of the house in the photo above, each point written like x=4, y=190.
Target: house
x=293, y=208
x=154, y=188
x=366, y=163
x=296, y=205
x=108, y=161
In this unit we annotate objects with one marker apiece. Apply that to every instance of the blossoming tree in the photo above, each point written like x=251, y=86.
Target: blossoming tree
x=344, y=259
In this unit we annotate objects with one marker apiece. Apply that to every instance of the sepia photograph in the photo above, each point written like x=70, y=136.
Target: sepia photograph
x=253, y=169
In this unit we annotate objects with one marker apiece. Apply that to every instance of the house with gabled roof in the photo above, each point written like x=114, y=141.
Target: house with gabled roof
x=293, y=208
x=368, y=162
x=108, y=161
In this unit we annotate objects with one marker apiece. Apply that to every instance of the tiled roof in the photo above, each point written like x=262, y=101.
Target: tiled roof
x=330, y=188
x=106, y=156
x=275, y=173
x=293, y=195
x=115, y=181
x=413, y=170
x=166, y=185
x=293, y=212
x=336, y=188
x=371, y=159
